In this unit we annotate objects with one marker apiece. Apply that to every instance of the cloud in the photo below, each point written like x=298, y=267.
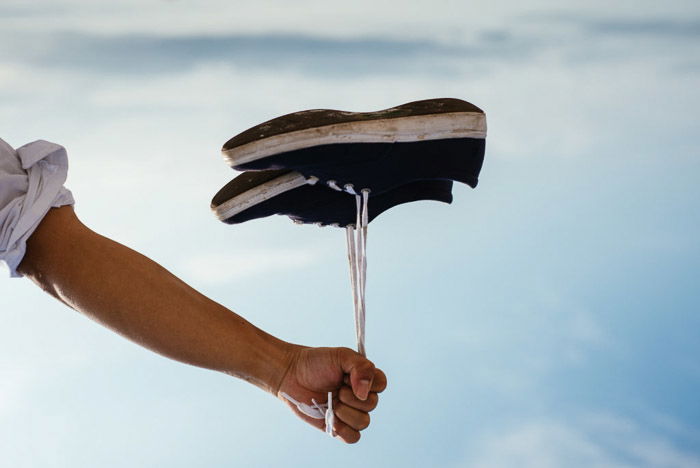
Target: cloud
x=637, y=24
x=332, y=54
x=31, y=11
x=595, y=441
x=144, y=54
x=342, y=56
x=662, y=28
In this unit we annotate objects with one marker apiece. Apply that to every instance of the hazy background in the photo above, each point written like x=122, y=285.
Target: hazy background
x=548, y=318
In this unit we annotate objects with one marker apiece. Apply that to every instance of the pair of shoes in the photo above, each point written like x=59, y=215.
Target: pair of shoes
x=307, y=164
x=299, y=164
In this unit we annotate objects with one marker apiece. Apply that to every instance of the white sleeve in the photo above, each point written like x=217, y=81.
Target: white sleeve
x=31, y=183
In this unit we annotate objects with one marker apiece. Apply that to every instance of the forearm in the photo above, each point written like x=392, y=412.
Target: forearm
x=142, y=301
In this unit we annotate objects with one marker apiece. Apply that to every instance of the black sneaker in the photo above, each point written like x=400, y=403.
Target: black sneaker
x=258, y=194
x=351, y=151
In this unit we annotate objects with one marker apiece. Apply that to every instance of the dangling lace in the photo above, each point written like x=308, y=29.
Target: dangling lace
x=357, y=258
x=316, y=410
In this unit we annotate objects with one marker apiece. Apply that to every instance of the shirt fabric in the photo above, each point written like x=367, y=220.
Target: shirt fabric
x=31, y=183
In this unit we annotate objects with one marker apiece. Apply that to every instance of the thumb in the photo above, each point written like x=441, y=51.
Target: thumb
x=360, y=369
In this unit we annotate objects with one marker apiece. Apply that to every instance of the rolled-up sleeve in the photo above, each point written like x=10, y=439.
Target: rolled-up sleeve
x=31, y=183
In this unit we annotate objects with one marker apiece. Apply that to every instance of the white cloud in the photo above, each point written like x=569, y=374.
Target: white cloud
x=596, y=441
x=436, y=17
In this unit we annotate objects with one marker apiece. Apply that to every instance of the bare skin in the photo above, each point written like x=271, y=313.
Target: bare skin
x=137, y=298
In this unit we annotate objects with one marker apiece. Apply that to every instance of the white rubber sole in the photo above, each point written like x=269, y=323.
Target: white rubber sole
x=402, y=129
x=259, y=194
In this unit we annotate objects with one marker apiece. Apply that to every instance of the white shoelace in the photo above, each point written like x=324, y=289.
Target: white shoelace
x=316, y=410
x=357, y=257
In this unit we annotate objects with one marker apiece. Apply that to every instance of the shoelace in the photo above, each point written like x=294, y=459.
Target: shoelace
x=357, y=258
x=316, y=410
x=356, y=237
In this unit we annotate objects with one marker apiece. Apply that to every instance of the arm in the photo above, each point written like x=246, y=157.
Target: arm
x=139, y=299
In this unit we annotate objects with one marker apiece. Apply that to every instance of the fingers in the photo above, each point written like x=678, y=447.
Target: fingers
x=361, y=371
x=378, y=384
x=358, y=397
x=341, y=429
x=352, y=414
x=349, y=422
x=346, y=433
x=356, y=419
x=346, y=396
x=364, y=377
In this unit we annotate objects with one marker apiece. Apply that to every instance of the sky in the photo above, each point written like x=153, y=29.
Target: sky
x=548, y=318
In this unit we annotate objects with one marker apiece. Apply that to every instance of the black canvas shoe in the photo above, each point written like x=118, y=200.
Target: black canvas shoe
x=351, y=151
x=258, y=194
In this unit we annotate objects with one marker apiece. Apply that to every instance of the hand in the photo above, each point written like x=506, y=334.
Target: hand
x=353, y=379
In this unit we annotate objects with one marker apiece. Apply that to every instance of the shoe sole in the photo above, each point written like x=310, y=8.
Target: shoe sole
x=257, y=194
x=434, y=119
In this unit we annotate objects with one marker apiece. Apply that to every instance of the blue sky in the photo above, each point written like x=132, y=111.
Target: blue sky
x=548, y=318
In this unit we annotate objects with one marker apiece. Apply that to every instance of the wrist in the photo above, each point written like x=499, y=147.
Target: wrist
x=266, y=362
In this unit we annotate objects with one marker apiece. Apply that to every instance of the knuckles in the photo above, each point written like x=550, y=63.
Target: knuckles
x=347, y=396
